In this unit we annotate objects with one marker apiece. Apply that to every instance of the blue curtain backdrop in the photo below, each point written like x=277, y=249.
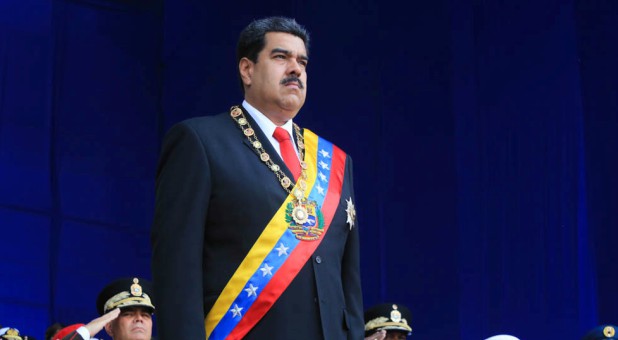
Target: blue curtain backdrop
x=483, y=133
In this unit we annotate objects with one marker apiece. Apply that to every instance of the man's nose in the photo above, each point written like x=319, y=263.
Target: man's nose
x=295, y=68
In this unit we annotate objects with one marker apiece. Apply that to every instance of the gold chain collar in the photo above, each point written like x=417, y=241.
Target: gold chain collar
x=299, y=191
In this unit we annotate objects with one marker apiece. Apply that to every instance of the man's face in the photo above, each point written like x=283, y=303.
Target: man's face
x=133, y=323
x=277, y=83
x=395, y=335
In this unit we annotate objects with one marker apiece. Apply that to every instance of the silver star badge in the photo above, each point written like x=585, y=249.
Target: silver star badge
x=351, y=212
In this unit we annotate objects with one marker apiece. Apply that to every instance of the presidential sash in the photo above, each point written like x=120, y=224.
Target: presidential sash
x=284, y=246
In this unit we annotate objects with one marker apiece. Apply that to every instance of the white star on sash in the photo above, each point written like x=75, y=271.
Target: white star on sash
x=251, y=290
x=324, y=153
x=283, y=250
x=266, y=270
x=236, y=311
x=322, y=176
x=324, y=165
x=320, y=189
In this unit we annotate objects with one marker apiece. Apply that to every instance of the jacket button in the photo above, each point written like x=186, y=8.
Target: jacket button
x=318, y=259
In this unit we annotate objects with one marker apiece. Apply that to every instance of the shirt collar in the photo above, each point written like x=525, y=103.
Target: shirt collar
x=265, y=124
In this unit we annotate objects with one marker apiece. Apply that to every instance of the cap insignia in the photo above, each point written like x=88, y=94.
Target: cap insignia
x=136, y=289
x=395, y=314
x=12, y=331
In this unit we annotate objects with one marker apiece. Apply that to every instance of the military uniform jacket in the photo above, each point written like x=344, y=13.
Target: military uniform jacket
x=74, y=336
x=214, y=196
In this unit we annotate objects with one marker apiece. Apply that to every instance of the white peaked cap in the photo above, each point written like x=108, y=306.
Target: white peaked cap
x=502, y=337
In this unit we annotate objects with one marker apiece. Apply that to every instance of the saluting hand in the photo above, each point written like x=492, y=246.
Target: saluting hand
x=96, y=325
x=379, y=335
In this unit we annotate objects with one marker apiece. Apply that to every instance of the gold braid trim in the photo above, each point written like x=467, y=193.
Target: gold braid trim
x=122, y=298
x=381, y=321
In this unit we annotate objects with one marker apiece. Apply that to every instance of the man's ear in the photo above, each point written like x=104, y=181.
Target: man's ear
x=245, y=67
x=108, y=329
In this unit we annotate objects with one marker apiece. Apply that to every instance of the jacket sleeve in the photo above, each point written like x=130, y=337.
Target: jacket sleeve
x=177, y=236
x=73, y=336
x=351, y=272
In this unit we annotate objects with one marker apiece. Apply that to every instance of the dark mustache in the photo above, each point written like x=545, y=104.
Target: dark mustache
x=293, y=79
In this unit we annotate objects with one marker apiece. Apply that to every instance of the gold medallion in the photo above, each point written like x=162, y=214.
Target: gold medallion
x=236, y=112
x=300, y=215
x=248, y=132
x=305, y=220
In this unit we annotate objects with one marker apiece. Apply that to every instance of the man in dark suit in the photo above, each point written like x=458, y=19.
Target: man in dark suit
x=254, y=233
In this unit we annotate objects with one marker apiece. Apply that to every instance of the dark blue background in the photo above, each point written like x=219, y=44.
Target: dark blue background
x=484, y=136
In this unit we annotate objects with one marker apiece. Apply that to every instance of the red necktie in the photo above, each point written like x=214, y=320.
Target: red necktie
x=287, y=151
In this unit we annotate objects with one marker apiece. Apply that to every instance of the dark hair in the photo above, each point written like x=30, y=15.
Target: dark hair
x=52, y=330
x=252, y=38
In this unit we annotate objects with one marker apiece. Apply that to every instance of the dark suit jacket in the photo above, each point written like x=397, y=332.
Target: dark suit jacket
x=214, y=196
